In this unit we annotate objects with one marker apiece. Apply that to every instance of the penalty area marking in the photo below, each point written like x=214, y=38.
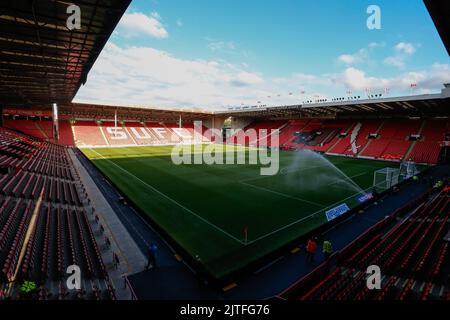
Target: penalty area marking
x=300, y=199
x=282, y=194
x=171, y=200
x=304, y=218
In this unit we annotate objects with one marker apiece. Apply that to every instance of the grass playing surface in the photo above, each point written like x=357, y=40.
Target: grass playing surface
x=206, y=208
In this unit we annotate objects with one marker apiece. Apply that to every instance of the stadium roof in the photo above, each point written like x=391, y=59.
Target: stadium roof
x=439, y=11
x=430, y=105
x=41, y=60
x=105, y=112
x=424, y=106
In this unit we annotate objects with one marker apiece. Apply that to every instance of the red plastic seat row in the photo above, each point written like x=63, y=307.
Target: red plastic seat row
x=14, y=251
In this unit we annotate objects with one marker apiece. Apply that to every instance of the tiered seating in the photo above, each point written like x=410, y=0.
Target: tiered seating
x=376, y=148
x=116, y=135
x=42, y=196
x=343, y=144
x=288, y=133
x=88, y=133
x=184, y=134
x=163, y=134
x=72, y=243
x=188, y=131
x=393, y=142
x=428, y=149
x=65, y=134
x=43, y=130
x=39, y=129
x=426, y=152
x=307, y=135
x=46, y=129
x=339, y=126
x=411, y=254
x=396, y=149
x=140, y=134
x=262, y=131
x=368, y=127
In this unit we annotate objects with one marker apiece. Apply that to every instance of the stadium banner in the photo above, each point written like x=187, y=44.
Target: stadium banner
x=337, y=211
x=365, y=197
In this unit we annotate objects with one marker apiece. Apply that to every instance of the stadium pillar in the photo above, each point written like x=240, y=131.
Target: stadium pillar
x=55, y=122
x=1, y=116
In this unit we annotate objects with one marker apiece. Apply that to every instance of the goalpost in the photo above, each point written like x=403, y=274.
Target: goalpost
x=408, y=169
x=385, y=178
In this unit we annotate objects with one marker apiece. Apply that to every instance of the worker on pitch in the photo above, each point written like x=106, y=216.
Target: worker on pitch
x=327, y=249
x=311, y=247
x=151, y=256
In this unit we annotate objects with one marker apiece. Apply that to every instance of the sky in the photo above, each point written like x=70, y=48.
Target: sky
x=217, y=54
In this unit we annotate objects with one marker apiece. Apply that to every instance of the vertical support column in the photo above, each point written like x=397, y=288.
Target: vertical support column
x=55, y=123
x=1, y=116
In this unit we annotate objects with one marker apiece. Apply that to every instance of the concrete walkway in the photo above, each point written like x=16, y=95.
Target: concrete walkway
x=131, y=258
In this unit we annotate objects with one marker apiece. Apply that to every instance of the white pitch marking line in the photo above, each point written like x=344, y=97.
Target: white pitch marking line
x=304, y=218
x=172, y=200
x=283, y=171
x=282, y=194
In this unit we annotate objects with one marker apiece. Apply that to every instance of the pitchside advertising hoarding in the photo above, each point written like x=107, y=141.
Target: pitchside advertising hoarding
x=337, y=211
x=343, y=208
x=365, y=197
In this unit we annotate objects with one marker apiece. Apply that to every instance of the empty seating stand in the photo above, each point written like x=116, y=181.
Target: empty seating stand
x=132, y=133
x=392, y=140
x=42, y=194
x=408, y=246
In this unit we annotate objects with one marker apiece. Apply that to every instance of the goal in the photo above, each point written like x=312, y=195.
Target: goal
x=385, y=178
x=408, y=169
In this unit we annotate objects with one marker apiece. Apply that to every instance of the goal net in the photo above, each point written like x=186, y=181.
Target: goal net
x=408, y=169
x=385, y=178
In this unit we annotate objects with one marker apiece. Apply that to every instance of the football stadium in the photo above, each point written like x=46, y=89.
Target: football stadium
x=275, y=201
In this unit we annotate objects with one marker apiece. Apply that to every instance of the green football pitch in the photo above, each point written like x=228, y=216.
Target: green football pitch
x=207, y=208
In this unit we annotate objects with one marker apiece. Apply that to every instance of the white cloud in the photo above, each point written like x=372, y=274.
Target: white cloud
x=150, y=77
x=376, y=44
x=403, y=51
x=247, y=78
x=395, y=61
x=347, y=58
x=220, y=45
x=427, y=80
x=361, y=56
x=147, y=76
x=406, y=48
x=156, y=15
x=136, y=23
